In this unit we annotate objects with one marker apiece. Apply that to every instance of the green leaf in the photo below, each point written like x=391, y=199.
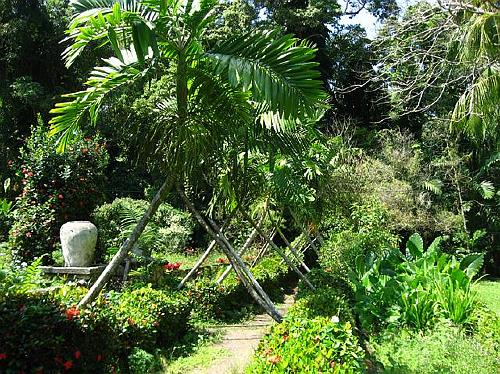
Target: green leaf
x=472, y=263
x=415, y=246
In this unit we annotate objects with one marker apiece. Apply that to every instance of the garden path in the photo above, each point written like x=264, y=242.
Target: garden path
x=241, y=341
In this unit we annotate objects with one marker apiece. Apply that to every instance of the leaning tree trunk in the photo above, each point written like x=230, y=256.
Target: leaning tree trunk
x=292, y=249
x=305, y=233
x=264, y=249
x=242, y=271
x=280, y=252
x=127, y=245
x=243, y=249
x=203, y=257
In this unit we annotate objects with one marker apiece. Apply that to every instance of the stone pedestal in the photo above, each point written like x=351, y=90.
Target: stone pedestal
x=78, y=240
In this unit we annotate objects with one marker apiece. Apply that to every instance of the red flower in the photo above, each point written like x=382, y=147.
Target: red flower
x=172, y=266
x=3, y=356
x=60, y=196
x=29, y=174
x=286, y=338
x=72, y=313
x=98, y=357
x=221, y=260
x=77, y=354
x=68, y=365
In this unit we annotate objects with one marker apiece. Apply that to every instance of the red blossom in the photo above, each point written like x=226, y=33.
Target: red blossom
x=286, y=338
x=72, y=313
x=172, y=266
x=68, y=365
x=3, y=356
x=221, y=260
x=60, y=196
x=98, y=357
x=77, y=354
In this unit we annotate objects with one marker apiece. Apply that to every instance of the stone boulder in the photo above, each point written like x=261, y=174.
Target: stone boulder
x=78, y=240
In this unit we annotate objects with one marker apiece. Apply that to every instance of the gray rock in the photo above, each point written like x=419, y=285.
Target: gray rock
x=78, y=240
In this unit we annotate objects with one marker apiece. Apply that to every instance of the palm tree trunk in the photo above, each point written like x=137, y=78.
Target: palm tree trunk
x=240, y=268
x=280, y=252
x=127, y=245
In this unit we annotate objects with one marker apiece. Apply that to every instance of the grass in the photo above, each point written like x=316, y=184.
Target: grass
x=489, y=293
x=445, y=349
x=201, y=358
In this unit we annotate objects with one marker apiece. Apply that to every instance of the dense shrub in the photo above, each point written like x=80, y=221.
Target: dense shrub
x=56, y=188
x=324, y=302
x=312, y=346
x=364, y=232
x=415, y=289
x=168, y=231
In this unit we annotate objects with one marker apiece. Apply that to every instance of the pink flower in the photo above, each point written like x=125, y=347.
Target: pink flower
x=3, y=356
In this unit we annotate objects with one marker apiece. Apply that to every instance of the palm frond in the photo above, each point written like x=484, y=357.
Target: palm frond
x=278, y=70
x=103, y=80
x=481, y=39
x=476, y=111
x=118, y=23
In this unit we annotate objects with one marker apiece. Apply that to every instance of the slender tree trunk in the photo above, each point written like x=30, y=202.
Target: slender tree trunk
x=236, y=262
x=127, y=245
x=203, y=257
x=280, y=252
x=305, y=233
x=243, y=249
x=264, y=249
x=292, y=249
x=196, y=266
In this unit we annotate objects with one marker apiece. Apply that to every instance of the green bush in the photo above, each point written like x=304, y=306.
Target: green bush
x=417, y=289
x=306, y=346
x=42, y=328
x=444, y=349
x=169, y=230
x=324, y=302
x=364, y=232
x=142, y=362
x=56, y=188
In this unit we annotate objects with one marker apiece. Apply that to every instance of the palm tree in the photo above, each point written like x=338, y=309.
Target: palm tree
x=261, y=79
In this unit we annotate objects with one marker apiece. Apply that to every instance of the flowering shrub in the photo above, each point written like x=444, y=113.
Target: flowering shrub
x=55, y=188
x=319, y=345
